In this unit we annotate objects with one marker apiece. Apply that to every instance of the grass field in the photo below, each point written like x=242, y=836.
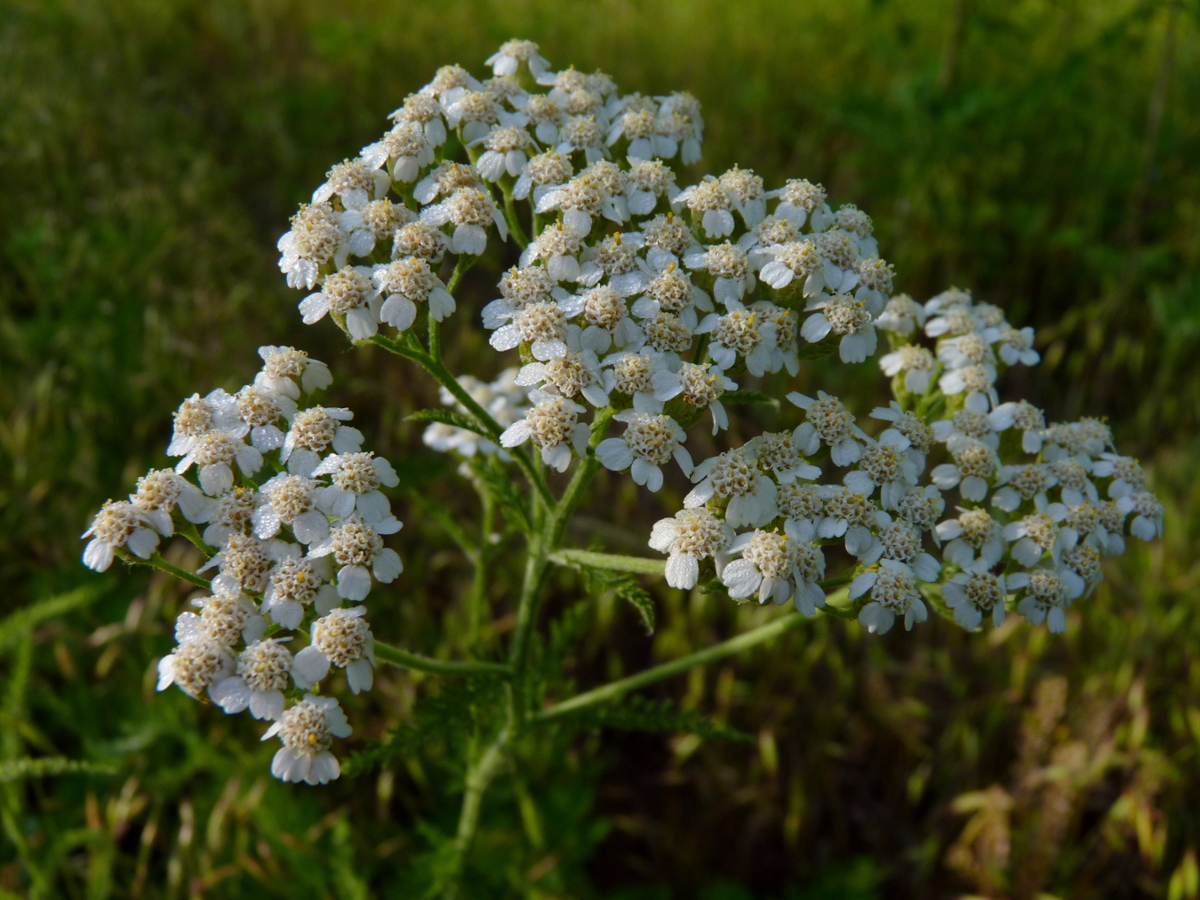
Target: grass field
x=1041, y=153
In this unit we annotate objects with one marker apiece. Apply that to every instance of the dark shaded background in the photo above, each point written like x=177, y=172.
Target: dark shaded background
x=1043, y=154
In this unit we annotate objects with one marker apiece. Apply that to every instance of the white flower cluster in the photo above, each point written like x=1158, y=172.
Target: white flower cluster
x=1038, y=505
x=631, y=293
x=297, y=530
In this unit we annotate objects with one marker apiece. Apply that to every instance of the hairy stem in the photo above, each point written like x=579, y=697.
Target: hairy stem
x=419, y=663
x=637, y=565
x=483, y=556
x=158, y=562
x=479, y=778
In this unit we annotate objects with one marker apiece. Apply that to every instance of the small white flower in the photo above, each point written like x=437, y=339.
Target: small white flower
x=902, y=316
x=226, y=617
x=582, y=133
x=159, y=491
x=901, y=541
x=262, y=676
x=975, y=592
x=341, y=638
x=504, y=153
x=507, y=60
x=778, y=453
x=1015, y=346
x=791, y=260
x=307, y=731
x=471, y=211
x=711, y=206
x=233, y=512
x=291, y=501
x=407, y=282
x=296, y=583
x=196, y=666
x=851, y=514
x=829, y=422
x=349, y=293
x=974, y=464
x=907, y=431
x=353, y=182
x=729, y=266
x=118, y=524
x=777, y=567
x=1125, y=471
x=1147, y=523
x=243, y=562
x=844, y=315
x=553, y=424
x=1020, y=484
x=746, y=189
x=741, y=332
x=885, y=466
x=701, y=387
x=315, y=240
x=735, y=476
x=212, y=453
x=917, y=364
x=973, y=422
x=1037, y=535
x=358, y=549
x=356, y=478
x=893, y=593
x=284, y=366
x=649, y=441
x=798, y=199
x=315, y=430
x=633, y=374
x=1048, y=592
x=197, y=417
x=575, y=374
x=974, y=536
x=558, y=246
x=260, y=408
x=690, y=536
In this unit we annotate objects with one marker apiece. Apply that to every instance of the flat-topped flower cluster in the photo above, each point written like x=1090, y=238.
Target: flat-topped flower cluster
x=1018, y=516
x=293, y=522
x=631, y=292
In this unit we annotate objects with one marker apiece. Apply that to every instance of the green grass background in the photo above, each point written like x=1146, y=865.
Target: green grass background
x=1044, y=154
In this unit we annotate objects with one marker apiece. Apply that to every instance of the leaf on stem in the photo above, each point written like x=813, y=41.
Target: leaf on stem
x=625, y=587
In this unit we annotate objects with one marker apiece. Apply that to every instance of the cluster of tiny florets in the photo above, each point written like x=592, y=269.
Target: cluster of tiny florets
x=293, y=511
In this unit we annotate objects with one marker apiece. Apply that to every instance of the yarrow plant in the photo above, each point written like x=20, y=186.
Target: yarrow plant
x=639, y=302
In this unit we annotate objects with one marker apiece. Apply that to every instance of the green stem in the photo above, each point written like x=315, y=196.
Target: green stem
x=637, y=565
x=617, y=689
x=514, y=222
x=478, y=780
x=483, y=557
x=460, y=269
x=419, y=663
x=158, y=562
x=191, y=533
